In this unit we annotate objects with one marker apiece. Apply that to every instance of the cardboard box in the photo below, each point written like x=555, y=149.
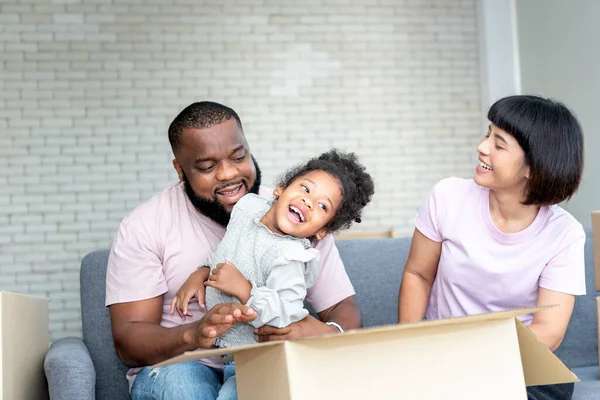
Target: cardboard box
x=492, y=356
x=596, y=236
x=24, y=342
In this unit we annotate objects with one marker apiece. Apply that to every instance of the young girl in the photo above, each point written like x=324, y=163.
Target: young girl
x=500, y=240
x=265, y=260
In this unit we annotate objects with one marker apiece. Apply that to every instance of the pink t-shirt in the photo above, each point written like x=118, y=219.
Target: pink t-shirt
x=482, y=269
x=165, y=239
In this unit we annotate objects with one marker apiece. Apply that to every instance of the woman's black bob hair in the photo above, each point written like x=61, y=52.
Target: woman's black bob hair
x=552, y=140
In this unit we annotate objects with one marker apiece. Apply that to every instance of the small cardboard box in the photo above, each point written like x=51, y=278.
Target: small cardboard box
x=492, y=356
x=24, y=341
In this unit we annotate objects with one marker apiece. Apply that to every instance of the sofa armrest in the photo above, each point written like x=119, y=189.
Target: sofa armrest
x=69, y=370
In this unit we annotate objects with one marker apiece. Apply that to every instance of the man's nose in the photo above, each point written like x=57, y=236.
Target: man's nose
x=226, y=171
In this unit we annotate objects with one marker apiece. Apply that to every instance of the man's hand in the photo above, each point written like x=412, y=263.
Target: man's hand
x=218, y=321
x=193, y=287
x=309, y=326
x=228, y=279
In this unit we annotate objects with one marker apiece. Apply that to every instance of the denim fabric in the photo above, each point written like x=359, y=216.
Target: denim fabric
x=191, y=380
x=229, y=389
x=563, y=391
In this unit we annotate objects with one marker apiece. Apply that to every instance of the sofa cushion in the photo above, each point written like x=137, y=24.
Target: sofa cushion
x=375, y=268
x=589, y=387
x=580, y=345
x=97, y=334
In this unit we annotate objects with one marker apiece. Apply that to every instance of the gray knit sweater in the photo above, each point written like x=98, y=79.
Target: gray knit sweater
x=280, y=269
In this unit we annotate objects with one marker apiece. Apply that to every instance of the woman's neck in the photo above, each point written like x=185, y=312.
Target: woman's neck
x=509, y=214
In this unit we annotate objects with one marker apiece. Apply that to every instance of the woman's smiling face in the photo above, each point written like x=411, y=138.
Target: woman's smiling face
x=501, y=162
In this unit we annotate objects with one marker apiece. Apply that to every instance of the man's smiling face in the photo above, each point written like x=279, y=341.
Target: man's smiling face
x=216, y=166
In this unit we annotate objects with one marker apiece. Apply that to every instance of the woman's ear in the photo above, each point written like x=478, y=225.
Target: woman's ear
x=322, y=233
x=526, y=171
x=178, y=169
x=278, y=191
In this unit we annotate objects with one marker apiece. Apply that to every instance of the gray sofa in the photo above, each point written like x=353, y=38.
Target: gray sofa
x=90, y=368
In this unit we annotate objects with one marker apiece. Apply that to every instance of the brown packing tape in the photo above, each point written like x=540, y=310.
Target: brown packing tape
x=596, y=236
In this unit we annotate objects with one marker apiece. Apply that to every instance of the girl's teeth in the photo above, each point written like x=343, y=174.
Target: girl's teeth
x=485, y=166
x=294, y=209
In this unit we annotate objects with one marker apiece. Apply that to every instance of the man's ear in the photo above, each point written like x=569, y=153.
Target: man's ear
x=178, y=169
x=322, y=233
x=278, y=191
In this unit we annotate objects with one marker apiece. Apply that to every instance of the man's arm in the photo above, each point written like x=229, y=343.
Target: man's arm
x=140, y=340
x=345, y=313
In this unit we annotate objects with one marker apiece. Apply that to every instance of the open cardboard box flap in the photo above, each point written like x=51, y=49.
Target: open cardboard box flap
x=24, y=341
x=540, y=365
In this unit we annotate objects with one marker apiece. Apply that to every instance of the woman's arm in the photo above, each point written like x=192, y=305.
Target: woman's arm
x=419, y=273
x=550, y=325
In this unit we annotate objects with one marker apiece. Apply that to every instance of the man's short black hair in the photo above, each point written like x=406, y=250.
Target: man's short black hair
x=552, y=140
x=356, y=184
x=201, y=115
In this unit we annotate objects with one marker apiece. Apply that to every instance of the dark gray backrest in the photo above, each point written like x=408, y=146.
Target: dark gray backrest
x=375, y=267
x=97, y=335
x=580, y=346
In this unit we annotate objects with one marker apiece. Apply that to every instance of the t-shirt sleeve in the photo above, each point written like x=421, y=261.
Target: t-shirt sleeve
x=427, y=220
x=135, y=270
x=565, y=272
x=333, y=284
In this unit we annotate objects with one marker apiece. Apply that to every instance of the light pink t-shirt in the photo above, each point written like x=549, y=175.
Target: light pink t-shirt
x=482, y=269
x=165, y=239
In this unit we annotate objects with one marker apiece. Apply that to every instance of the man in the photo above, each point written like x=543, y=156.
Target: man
x=167, y=238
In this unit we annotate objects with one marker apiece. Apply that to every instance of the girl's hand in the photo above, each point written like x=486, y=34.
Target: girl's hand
x=230, y=280
x=193, y=287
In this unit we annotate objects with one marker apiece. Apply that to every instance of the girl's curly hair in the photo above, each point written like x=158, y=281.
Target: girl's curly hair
x=355, y=183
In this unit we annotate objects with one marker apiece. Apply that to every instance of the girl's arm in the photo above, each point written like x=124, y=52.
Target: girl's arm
x=419, y=273
x=550, y=325
x=281, y=301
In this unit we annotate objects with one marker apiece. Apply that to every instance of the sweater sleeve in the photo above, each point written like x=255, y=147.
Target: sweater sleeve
x=281, y=301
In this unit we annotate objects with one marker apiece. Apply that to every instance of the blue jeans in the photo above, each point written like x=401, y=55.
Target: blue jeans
x=561, y=391
x=190, y=380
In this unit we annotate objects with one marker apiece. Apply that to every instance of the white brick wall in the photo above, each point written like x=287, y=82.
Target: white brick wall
x=88, y=88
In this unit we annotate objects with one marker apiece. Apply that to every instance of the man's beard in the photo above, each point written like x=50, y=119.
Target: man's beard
x=212, y=208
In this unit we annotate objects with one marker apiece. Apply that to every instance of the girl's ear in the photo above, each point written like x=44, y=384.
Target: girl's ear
x=278, y=191
x=321, y=233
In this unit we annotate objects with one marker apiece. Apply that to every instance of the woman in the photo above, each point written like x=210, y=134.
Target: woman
x=500, y=240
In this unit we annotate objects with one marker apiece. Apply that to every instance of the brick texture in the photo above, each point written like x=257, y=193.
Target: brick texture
x=88, y=88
